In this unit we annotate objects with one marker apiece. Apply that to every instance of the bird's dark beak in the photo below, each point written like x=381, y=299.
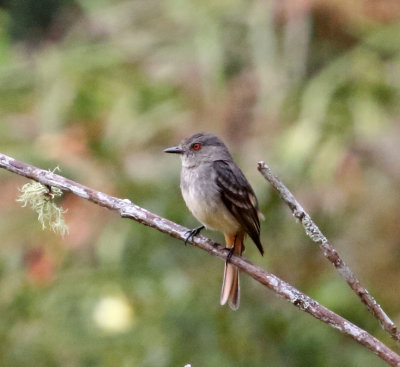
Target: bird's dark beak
x=176, y=150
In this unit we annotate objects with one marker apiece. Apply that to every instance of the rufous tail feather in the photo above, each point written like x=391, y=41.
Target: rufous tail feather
x=230, y=291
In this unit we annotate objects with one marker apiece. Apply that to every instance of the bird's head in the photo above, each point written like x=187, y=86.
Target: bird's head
x=199, y=148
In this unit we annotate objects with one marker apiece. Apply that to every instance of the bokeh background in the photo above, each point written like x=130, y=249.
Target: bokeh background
x=99, y=88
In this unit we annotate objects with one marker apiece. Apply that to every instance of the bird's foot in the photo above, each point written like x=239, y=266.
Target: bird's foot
x=193, y=232
x=230, y=253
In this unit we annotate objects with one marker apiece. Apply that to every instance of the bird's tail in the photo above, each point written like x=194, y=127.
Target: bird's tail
x=230, y=287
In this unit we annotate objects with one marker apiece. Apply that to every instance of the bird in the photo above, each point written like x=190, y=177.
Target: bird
x=219, y=196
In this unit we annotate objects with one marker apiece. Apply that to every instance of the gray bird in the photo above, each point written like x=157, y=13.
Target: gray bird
x=219, y=196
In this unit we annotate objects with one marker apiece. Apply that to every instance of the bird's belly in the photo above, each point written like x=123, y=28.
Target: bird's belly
x=209, y=209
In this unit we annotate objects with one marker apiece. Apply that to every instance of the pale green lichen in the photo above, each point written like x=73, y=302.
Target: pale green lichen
x=312, y=230
x=40, y=199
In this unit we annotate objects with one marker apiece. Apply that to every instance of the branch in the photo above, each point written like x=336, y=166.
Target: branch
x=129, y=210
x=329, y=252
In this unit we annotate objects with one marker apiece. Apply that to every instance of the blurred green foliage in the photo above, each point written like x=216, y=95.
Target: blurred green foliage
x=99, y=88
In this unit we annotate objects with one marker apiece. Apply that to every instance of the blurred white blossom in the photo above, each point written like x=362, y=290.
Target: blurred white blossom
x=113, y=314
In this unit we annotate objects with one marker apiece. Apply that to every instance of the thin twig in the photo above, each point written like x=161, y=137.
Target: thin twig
x=129, y=210
x=329, y=252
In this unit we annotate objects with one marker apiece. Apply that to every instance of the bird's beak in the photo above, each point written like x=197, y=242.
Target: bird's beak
x=176, y=150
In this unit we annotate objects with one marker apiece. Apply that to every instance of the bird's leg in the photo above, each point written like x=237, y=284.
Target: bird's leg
x=231, y=251
x=193, y=232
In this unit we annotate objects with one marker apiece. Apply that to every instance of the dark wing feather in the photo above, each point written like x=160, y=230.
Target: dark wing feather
x=239, y=198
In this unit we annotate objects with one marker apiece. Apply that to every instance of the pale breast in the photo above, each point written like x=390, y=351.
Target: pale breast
x=202, y=197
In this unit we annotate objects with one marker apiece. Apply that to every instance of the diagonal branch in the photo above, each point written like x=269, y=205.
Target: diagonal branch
x=129, y=210
x=329, y=252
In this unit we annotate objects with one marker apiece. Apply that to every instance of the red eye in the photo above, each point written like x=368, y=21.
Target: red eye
x=196, y=146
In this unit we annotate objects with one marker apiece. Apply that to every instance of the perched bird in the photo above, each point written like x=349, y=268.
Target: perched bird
x=219, y=196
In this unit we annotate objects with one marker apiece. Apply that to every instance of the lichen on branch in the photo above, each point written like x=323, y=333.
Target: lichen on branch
x=41, y=199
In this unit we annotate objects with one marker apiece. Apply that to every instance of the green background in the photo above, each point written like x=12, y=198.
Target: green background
x=100, y=88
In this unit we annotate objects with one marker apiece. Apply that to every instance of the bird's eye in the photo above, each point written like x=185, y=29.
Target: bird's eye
x=196, y=146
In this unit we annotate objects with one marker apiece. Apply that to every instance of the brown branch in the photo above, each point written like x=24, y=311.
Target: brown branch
x=129, y=210
x=329, y=252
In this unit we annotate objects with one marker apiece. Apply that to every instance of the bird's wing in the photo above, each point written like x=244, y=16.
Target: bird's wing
x=239, y=198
